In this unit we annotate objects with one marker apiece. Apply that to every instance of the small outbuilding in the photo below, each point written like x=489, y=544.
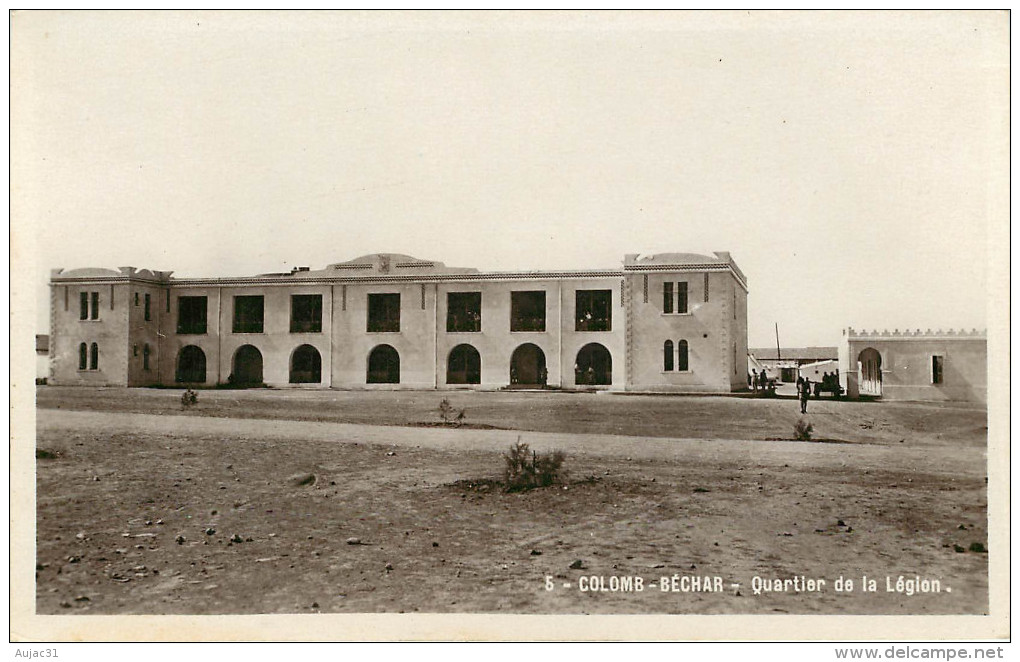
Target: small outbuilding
x=915, y=365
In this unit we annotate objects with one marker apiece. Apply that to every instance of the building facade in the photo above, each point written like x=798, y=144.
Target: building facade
x=665, y=322
x=915, y=365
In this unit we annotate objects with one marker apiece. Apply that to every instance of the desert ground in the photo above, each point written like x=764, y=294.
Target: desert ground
x=303, y=501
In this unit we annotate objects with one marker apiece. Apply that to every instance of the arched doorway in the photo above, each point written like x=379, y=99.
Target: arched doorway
x=383, y=366
x=247, y=368
x=527, y=366
x=869, y=367
x=594, y=366
x=305, y=366
x=191, y=365
x=464, y=366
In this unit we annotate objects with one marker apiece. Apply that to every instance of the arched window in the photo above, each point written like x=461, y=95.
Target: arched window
x=83, y=356
x=681, y=363
x=667, y=356
x=145, y=357
x=94, y=357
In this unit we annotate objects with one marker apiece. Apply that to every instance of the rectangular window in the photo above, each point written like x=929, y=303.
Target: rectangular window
x=248, y=314
x=706, y=288
x=145, y=357
x=148, y=309
x=306, y=313
x=527, y=311
x=191, y=315
x=95, y=306
x=464, y=312
x=681, y=298
x=594, y=310
x=383, y=313
x=937, y=364
x=168, y=301
x=136, y=298
x=84, y=306
x=667, y=298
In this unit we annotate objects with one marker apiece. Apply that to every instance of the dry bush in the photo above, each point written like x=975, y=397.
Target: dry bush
x=802, y=430
x=525, y=469
x=450, y=415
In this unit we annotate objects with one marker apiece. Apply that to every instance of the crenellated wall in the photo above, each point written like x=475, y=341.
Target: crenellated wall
x=906, y=363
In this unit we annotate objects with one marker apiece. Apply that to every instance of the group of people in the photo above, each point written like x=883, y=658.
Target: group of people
x=761, y=382
x=543, y=376
x=830, y=383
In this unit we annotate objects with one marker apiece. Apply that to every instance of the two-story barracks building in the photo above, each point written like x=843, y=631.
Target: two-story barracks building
x=666, y=322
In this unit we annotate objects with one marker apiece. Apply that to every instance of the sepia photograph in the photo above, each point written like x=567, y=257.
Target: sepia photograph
x=409, y=325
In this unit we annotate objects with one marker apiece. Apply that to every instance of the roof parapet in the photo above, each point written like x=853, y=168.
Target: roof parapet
x=850, y=332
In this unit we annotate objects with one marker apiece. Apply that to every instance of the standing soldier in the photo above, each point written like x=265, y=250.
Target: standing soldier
x=754, y=380
x=805, y=393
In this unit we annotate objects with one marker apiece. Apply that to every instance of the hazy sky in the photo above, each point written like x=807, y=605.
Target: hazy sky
x=851, y=163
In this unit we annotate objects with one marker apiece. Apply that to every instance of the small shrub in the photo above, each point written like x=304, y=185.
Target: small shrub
x=802, y=430
x=189, y=399
x=525, y=469
x=978, y=547
x=451, y=415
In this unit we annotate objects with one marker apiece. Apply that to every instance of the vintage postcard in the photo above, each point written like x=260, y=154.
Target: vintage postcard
x=509, y=326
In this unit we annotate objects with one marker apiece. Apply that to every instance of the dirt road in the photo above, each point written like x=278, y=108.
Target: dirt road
x=167, y=514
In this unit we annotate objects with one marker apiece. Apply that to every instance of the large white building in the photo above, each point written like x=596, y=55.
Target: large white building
x=665, y=322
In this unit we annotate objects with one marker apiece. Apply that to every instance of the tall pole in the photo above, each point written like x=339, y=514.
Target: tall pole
x=779, y=356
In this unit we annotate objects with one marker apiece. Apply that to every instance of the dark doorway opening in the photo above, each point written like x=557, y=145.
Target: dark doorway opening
x=383, y=366
x=247, y=370
x=305, y=366
x=464, y=366
x=191, y=365
x=527, y=366
x=594, y=366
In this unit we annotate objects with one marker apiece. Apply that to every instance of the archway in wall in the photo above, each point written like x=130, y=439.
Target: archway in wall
x=527, y=366
x=247, y=367
x=383, y=366
x=869, y=367
x=305, y=366
x=191, y=365
x=464, y=366
x=594, y=366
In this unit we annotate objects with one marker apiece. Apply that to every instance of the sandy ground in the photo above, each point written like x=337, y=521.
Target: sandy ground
x=140, y=506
